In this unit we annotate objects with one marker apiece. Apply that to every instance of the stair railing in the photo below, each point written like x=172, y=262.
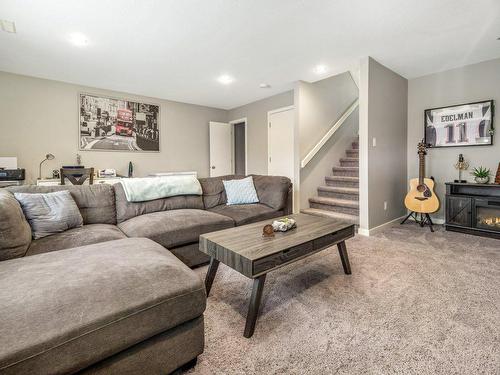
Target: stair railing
x=329, y=134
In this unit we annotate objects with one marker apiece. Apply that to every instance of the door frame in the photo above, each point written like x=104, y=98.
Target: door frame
x=269, y=113
x=232, y=123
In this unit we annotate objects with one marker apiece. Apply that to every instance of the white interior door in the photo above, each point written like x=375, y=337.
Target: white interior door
x=220, y=149
x=281, y=143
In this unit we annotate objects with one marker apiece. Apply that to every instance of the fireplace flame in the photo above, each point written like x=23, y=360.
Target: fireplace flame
x=493, y=221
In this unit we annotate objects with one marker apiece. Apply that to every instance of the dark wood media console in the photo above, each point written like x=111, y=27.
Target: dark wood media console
x=473, y=208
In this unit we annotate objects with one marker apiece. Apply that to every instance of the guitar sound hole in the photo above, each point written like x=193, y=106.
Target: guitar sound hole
x=421, y=188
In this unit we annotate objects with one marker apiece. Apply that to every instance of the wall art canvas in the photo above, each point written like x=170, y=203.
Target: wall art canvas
x=110, y=124
x=460, y=125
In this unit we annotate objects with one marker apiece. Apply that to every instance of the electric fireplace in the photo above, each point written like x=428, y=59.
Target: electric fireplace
x=487, y=214
x=473, y=208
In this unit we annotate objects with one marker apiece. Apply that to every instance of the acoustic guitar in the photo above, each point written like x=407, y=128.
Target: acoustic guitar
x=421, y=198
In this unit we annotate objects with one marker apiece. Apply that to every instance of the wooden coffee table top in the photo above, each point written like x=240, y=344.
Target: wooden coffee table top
x=246, y=250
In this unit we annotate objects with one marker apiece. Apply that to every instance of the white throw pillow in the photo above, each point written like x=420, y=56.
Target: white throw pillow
x=50, y=213
x=240, y=191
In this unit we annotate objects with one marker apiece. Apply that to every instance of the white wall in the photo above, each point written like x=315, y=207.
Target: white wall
x=383, y=113
x=470, y=83
x=40, y=116
x=319, y=105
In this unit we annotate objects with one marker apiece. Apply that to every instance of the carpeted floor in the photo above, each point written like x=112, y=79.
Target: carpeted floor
x=416, y=303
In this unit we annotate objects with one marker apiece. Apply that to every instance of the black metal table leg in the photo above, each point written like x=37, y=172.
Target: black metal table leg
x=253, y=307
x=344, y=258
x=209, y=278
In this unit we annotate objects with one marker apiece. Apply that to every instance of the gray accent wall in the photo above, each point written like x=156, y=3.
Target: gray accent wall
x=256, y=115
x=319, y=105
x=470, y=83
x=39, y=116
x=383, y=114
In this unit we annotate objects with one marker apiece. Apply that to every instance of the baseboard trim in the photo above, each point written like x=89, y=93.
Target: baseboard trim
x=378, y=229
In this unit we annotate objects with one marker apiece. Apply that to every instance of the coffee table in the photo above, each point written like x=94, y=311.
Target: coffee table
x=247, y=251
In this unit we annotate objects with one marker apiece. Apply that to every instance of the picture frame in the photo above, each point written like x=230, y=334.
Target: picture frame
x=460, y=125
x=117, y=124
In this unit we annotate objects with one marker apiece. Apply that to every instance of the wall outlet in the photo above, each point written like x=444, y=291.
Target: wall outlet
x=374, y=142
x=385, y=205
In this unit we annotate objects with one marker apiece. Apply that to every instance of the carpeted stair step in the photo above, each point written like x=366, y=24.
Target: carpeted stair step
x=351, y=219
x=349, y=162
x=333, y=204
x=346, y=171
x=342, y=181
x=349, y=193
x=355, y=145
x=352, y=153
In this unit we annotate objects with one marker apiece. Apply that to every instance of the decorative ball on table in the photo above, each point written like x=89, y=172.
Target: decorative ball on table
x=268, y=231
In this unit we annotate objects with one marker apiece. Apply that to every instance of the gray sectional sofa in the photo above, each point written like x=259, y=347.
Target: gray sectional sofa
x=108, y=297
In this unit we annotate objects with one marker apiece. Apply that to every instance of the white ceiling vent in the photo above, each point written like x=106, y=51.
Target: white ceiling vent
x=8, y=26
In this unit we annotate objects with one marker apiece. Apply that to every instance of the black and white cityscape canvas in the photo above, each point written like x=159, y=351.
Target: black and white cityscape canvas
x=460, y=125
x=109, y=124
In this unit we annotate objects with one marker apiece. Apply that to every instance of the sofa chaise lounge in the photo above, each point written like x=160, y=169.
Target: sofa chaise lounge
x=108, y=297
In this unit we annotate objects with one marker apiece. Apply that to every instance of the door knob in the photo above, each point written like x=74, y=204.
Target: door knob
x=213, y=166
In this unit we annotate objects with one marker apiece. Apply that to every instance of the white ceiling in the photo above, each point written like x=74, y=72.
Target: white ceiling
x=177, y=49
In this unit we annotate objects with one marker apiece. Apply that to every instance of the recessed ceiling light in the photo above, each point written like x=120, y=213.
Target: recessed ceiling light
x=78, y=39
x=225, y=79
x=265, y=86
x=320, y=69
x=8, y=26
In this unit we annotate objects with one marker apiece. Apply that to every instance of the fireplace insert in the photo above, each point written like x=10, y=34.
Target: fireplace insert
x=473, y=209
x=487, y=214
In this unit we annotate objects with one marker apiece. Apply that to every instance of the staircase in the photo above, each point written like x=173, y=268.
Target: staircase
x=339, y=198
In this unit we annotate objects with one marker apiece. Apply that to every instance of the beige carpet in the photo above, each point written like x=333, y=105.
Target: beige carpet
x=416, y=303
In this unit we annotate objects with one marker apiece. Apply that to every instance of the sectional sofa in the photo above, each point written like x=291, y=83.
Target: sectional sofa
x=108, y=297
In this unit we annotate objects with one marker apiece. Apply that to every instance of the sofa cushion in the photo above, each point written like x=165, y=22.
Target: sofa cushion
x=15, y=232
x=126, y=210
x=50, y=213
x=95, y=202
x=61, y=313
x=214, y=193
x=175, y=227
x=247, y=213
x=86, y=235
x=271, y=190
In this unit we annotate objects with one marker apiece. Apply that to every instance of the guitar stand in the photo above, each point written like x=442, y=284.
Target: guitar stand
x=423, y=221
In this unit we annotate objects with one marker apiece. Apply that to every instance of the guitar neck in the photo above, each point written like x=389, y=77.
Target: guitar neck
x=421, y=170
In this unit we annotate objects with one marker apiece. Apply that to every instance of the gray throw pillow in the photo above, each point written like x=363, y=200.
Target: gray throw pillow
x=50, y=213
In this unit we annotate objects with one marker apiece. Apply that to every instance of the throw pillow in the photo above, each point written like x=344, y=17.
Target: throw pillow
x=15, y=232
x=240, y=191
x=50, y=213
